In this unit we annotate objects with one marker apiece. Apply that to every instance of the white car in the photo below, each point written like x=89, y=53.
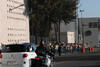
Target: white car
x=16, y=56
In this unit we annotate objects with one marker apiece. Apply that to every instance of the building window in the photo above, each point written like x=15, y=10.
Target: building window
x=93, y=25
x=88, y=33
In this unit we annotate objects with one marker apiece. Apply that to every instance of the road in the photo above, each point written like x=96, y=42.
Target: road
x=78, y=61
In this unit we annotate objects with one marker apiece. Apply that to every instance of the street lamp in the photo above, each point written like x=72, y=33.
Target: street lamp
x=83, y=31
x=98, y=32
x=15, y=7
x=81, y=28
x=27, y=12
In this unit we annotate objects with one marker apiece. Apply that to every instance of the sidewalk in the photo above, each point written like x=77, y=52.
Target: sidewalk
x=95, y=52
x=79, y=55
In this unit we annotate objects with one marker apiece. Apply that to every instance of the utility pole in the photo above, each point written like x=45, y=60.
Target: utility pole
x=98, y=31
x=83, y=32
x=81, y=27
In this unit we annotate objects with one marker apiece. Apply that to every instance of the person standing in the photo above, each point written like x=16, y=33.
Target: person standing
x=30, y=48
x=59, y=50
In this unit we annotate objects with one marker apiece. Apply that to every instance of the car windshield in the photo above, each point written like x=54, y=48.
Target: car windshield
x=15, y=48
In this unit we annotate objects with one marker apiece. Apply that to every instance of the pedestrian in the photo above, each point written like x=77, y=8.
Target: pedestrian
x=71, y=48
x=30, y=49
x=59, y=50
x=68, y=48
x=56, y=47
x=2, y=45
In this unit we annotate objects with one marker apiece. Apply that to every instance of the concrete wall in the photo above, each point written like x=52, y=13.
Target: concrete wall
x=64, y=28
x=93, y=38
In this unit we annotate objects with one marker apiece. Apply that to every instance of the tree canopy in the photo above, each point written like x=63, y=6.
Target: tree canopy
x=43, y=13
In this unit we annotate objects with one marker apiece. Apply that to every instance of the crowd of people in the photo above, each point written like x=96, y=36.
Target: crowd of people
x=59, y=48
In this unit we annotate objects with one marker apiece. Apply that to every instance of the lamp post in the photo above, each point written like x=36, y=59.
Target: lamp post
x=98, y=32
x=81, y=28
x=27, y=4
x=15, y=7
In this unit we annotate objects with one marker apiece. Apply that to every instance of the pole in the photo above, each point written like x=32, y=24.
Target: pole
x=98, y=32
x=82, y=33
x=55, y=27
x=59, y=30
x=78, y=31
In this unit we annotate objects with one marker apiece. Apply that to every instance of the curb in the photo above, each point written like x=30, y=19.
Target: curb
x=79, y=54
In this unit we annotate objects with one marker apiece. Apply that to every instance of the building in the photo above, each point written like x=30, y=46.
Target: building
x=90, y=30
x=14, y=26
x=64, y=28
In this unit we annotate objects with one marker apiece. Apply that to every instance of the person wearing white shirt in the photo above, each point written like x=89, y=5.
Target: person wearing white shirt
x=30, y=48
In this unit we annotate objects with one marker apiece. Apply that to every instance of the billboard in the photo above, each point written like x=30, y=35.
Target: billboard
x=70, y=37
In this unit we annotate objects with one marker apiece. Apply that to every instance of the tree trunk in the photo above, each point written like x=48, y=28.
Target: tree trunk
x=59, y=30
x=41, y=38
x=36, y=38
x=55, y=27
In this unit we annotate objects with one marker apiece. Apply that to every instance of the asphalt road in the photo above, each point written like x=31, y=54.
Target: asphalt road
x=78, y=61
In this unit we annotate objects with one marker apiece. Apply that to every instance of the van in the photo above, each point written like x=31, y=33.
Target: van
x=16, y=56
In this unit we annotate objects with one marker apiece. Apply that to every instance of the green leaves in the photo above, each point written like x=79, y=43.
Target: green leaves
x=46, y=12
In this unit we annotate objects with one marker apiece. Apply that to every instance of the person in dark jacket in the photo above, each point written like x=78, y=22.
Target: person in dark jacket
x=42, y=51
x=30, y=49
x=59, y=50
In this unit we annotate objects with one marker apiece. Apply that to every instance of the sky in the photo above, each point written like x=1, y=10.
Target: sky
x=91, y=8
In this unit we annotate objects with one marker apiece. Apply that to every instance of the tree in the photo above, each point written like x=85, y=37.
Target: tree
x=47, y=12
x=63, y=10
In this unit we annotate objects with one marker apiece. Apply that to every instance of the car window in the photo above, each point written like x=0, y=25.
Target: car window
x=15, y=48
x=0, y=51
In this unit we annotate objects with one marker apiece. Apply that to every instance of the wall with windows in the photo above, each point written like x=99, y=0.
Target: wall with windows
x=90, y=29
x=14, y=26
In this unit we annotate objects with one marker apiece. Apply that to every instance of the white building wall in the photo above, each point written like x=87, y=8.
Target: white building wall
x=14, y=26
x=3, y=19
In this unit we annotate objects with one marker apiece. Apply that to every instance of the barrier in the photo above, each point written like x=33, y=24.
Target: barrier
x=91, y=49
x=78, y=50
x=83, y=50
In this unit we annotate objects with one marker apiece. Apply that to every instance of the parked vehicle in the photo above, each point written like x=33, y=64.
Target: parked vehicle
x=16, y=55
